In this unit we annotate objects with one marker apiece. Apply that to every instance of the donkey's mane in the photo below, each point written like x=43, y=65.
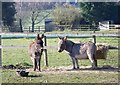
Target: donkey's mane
x=70, y=41
x=31, y=44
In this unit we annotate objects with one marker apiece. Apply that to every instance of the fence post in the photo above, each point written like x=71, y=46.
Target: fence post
x=29, y=28
x=45, y=52
x=0, y=53
x=39, y=28
x=94, y=39
x=1, y=29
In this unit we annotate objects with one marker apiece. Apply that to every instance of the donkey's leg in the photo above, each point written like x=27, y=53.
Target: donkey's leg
x=77, y=63
x=94, y=57
x=90, y=56
x=73, y=61
x=33, y=57
x=35, y=64
x=32, y=61
x=39, y=68
x=96, y=62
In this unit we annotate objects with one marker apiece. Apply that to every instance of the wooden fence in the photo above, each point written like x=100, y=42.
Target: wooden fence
x=25, y=29
x=45, y=45
x=44, y=50
x=42, y=28
x=36, y=29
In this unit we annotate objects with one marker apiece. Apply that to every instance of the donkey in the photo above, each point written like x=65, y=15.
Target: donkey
x=78, y=51
x=35, y=50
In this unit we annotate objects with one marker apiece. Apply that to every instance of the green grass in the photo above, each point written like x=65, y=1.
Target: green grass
x=82, y=77
x=55, y=59
x=110, y=31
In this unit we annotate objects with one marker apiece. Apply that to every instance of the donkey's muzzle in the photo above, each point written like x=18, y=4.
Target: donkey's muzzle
x=59, y=51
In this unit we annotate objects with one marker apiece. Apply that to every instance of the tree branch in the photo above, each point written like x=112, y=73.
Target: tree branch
x=43, y=18
x=36, y=16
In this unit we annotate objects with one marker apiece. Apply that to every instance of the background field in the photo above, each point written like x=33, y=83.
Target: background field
x=58, y=63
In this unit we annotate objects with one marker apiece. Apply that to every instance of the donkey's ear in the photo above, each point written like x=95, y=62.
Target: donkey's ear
x=59, y=37
x=38, y=36
x=65, y=38
x=42, y=36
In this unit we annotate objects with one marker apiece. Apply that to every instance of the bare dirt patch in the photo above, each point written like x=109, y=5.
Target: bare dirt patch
x=66, y=69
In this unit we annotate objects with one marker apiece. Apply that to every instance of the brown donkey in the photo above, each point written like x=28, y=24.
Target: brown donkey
x=35, y=50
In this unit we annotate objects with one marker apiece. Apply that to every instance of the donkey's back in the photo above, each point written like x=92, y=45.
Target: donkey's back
x=84, y=50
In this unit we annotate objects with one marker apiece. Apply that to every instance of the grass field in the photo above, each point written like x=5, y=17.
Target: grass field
x=58, y=61
x=79, y=31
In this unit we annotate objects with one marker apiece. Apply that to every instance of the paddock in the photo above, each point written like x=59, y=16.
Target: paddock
x=47, y=47
x=17, y=48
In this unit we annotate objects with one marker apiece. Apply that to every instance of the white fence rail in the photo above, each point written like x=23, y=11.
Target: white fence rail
x=45, y=47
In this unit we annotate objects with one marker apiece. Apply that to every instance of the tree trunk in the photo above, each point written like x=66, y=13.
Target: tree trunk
x=21, y=28
x=33, y=23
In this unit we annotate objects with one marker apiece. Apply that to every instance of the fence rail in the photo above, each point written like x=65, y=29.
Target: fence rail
x=45, y=46
x=42, y=28
x=56, y=36
x=25, y=29
x=36, y=29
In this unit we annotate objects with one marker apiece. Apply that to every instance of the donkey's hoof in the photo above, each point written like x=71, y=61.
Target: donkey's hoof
x=39, y=70
x=34, y=70
x=77, y=68
x=73, y=68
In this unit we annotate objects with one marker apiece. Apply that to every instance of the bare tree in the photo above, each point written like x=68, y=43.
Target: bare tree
x=32, y=12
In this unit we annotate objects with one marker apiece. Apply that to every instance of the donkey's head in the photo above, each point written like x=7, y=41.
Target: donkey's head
x=62, y=44
x=39, y=41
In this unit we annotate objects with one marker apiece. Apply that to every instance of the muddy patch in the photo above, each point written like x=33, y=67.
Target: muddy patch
x=67, y=69
x=64, y=69
x=17, y=66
